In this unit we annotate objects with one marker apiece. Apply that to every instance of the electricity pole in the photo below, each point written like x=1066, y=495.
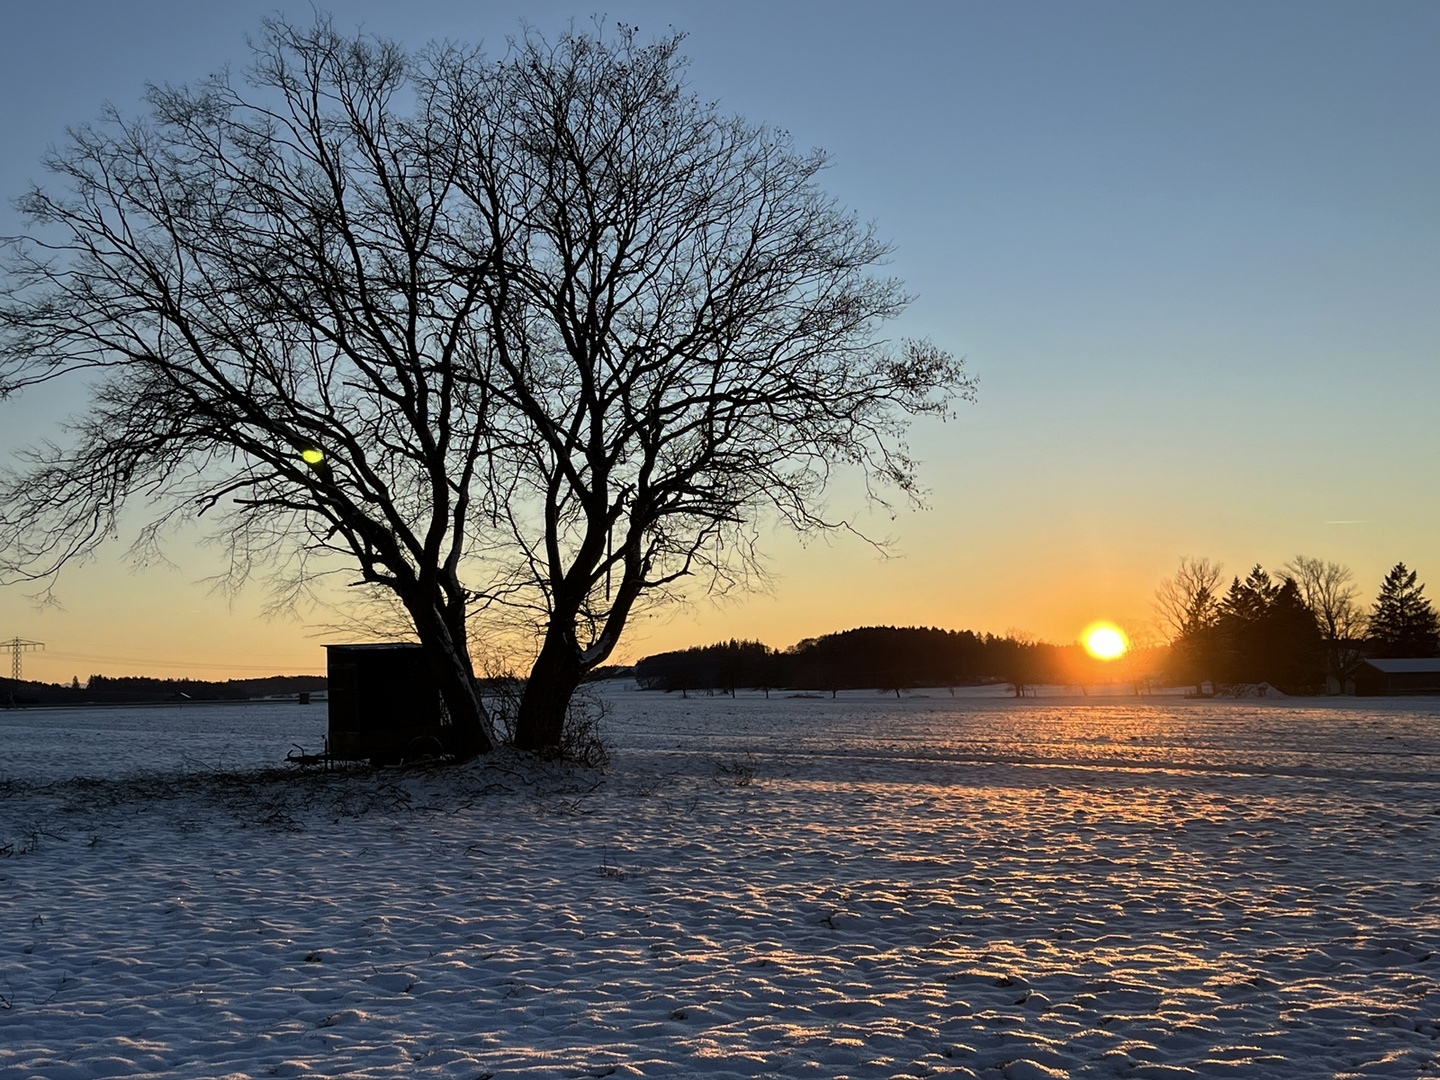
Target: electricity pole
x=17, y=646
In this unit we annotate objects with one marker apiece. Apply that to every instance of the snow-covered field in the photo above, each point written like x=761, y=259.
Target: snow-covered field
x=784, y=887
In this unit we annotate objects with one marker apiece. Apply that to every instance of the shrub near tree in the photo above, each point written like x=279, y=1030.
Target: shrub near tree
x=1402, y=622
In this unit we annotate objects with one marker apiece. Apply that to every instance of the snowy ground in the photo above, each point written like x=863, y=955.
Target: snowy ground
x=791, y=887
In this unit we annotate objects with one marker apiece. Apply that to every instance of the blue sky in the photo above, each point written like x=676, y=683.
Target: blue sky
x=1192, y=252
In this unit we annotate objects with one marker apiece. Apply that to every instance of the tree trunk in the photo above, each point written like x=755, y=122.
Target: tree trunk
x=474, y=734
x=552, y=683
x=450, y=665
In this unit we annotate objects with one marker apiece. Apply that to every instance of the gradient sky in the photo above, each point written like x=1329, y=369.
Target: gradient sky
x=1189, y=250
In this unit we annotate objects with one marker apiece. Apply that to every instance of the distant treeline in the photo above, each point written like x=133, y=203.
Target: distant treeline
x=133, y=690
x=881, y=657
x=1303, y=631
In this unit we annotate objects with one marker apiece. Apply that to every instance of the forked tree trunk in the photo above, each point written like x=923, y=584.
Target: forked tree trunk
x=552, y=683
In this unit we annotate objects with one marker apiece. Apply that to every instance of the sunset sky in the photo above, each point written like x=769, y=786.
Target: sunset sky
x=1192, y=252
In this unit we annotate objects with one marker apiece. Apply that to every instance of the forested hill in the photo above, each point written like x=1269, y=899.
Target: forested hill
x=870, y=657
x=130, y=690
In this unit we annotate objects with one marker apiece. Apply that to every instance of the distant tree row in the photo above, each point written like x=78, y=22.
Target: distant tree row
x=107, y=690
x=886, y=658
x=1304, y=631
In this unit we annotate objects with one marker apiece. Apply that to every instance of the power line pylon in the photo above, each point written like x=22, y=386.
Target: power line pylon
x=17, y=646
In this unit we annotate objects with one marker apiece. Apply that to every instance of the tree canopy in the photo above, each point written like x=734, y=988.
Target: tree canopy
x=538, y=338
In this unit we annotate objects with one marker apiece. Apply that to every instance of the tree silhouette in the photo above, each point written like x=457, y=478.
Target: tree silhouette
x=1190, y=599
x=544, y=337
x=1188, y=606
x=1266, y=633
x=1328, y=590
x=1292, y=647
x=1402, y=622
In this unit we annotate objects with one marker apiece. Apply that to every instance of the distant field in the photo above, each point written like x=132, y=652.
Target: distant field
x=57, y=743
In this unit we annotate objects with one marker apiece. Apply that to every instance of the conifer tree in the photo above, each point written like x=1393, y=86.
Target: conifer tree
x=1268, y=634
x=1402, y=622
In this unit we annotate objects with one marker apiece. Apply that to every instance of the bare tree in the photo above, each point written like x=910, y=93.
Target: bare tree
x=1188, y=609
x=684, y=340
x=1328, y=591
x=544, y=338
x=1019, y=659
x=1189, y=600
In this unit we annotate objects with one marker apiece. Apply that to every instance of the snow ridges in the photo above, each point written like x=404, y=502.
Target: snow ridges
x=795, y=889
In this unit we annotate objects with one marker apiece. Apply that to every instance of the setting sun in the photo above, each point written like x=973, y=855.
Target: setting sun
x=1104, y=641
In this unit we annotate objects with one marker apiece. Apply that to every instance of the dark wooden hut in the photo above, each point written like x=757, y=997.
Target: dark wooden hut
x=384, y=704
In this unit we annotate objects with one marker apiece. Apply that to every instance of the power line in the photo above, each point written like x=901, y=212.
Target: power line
x=188, y=665
x=17, y=646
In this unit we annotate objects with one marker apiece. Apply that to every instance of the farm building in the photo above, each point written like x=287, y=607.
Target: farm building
x=1409, y=675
